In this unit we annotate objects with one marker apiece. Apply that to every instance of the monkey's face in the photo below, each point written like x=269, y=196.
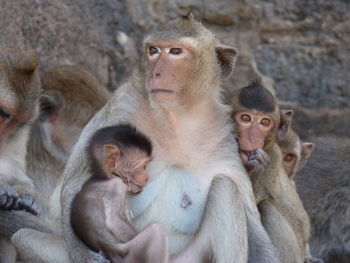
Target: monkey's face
x=290, y=161
x=170, y=70
x=254, y=129
x=132, y=169
x=10, y=122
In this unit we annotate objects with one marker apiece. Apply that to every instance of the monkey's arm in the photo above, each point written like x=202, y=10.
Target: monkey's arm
x=281, y=233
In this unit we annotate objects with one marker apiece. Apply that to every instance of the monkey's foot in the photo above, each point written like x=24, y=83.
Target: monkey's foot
x=11, y=200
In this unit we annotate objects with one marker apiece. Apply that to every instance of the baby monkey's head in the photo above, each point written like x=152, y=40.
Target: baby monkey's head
x=121, y=151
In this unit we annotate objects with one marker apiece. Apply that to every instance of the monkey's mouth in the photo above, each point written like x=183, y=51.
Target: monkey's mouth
x=161, y=91
x=245, y=156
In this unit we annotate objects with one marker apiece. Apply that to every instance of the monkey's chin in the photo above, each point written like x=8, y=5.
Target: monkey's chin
x=163, y=95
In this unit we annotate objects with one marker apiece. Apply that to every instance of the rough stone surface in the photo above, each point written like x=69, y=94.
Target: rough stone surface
x=300, y=48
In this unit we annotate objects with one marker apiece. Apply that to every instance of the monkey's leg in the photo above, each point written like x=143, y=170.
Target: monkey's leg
x=7, y=251
x=150, y=246
x=39, y=247
x=281, y=233
x=222, y=236
x=261, y=249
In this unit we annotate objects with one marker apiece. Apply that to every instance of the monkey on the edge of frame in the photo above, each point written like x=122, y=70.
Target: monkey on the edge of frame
x=19, y=106
x=259, y=122
x=62, y=117
x=324, y=187
x=119, y=156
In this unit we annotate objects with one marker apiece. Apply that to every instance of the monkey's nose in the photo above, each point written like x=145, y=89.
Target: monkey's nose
x=157, y=75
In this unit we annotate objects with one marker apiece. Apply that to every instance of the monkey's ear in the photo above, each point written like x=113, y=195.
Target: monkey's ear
x=226, y=56
x=111, y=156
x=285, y=123
x=50, y=106
x=306, y=150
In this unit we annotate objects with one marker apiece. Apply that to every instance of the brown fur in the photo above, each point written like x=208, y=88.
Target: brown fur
x=66, y=107
x=190, y=135
x=20, y=89
x=282, y=212
x=323, y=185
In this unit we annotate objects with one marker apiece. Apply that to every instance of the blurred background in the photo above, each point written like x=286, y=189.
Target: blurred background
x=300, y=48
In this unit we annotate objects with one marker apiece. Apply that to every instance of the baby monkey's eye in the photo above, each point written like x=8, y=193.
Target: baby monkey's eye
x=153, y=50
x=265, y=122
x=245, y=118
x=175, y=51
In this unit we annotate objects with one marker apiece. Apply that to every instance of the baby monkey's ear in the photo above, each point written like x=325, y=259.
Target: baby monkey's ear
x=111, y=157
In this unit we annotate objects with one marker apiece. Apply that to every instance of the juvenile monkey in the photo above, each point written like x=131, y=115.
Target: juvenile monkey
x=259, y=123
x=119, y=156
x=295, y=153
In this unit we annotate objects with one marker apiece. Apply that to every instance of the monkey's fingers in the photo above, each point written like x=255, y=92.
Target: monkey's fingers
x=28, y=204
x=8, y=197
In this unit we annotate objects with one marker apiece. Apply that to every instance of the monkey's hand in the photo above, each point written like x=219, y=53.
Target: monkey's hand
x=11, y=200
x=258, y=160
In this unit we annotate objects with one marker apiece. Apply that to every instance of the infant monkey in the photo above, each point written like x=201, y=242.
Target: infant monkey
x=118, y=156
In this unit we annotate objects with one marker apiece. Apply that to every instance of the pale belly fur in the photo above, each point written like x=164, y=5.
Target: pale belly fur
x=174, y=197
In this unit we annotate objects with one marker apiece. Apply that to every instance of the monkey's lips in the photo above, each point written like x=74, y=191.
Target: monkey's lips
x=245, y=155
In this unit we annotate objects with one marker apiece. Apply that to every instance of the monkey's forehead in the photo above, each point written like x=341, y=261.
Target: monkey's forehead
x=179, y=28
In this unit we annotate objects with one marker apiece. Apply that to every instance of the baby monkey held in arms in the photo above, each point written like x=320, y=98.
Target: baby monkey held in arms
x=119, y=156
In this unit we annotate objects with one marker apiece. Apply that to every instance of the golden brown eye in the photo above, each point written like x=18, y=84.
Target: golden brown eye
x=289, y=157
x=175, y=51
x=265, y=122
x=153, y=50
x=245, y=118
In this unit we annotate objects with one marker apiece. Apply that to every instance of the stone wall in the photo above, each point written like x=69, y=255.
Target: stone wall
x=299, y=47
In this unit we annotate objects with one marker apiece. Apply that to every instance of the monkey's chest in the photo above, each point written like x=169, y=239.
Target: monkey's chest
x=176, y=199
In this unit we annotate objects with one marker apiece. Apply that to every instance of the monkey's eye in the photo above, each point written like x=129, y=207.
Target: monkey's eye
x=175, y=51
x=4, y=114
x=245, y=118
x=265, y=122
x=289, y=157
x=153, y=50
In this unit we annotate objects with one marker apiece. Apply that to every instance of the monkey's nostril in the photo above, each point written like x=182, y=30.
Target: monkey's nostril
x=157, y=75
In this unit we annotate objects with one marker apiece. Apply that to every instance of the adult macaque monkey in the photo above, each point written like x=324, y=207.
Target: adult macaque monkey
x=198, y=189
x=259, y=122
x=295, y=153
x=119, y=156
x=19, y=106
x=70, y=97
